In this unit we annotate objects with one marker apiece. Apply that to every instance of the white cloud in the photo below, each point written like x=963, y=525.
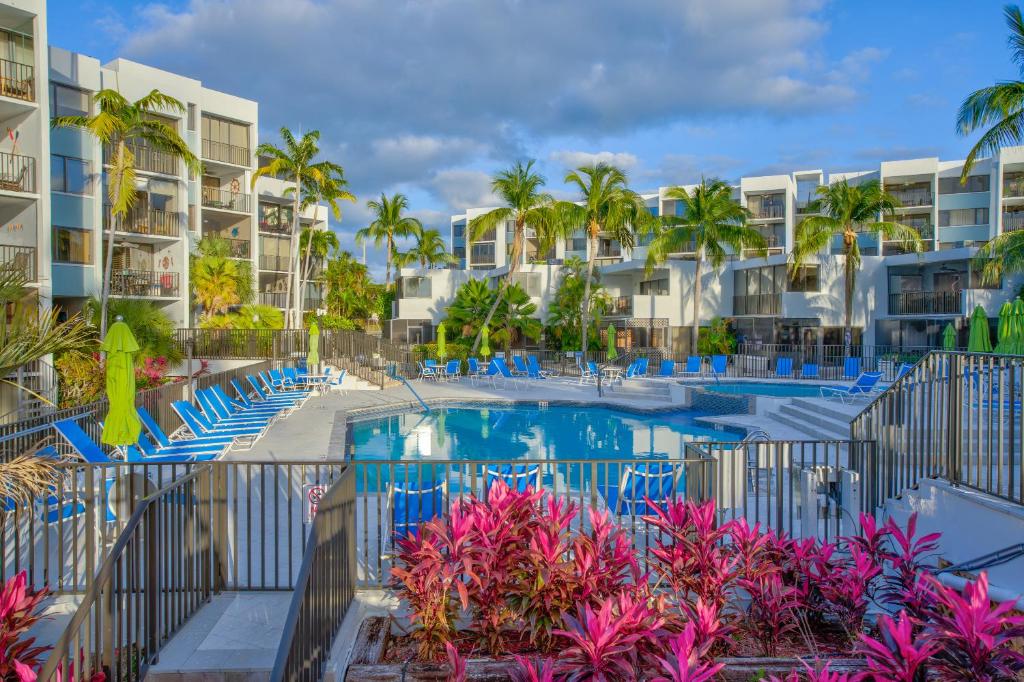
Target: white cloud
x=461, y=188
x=576, y=159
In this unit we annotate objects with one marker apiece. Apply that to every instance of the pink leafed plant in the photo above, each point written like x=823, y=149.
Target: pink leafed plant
x=898, y=655
x=750, y=545
x=772, y=612
x=685, y=661
x=456, y=663
x=811, y=674
x=606, y=644
x=19, y=606
x=846, y=588
x=904, y=588
x=527, y=670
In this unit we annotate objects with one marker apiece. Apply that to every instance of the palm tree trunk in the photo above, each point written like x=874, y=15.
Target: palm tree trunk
x=585, y=312
x=387, y=273
x=293, y=261
x=849, y=283
x=304, y=272
x=697, y=287
x=108, y=266
x=513, y=266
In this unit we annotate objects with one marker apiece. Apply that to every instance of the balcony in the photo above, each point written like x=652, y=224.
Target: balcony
x=225, y=200
x=17, y=80
x=757, y=304
x=146, y=221
x=21, y=258
x=767, y=212
x=274, y=263
x=17, y=173
x=238, y=248
x=226, y=153
x=1013, y=220
x=621, y=306
x=147, y=158
x=926, y=303
x=912, y=197
x=1013, y=186
x=772, y=246
x=807, y=208
x=275, y=299
x=144, y=283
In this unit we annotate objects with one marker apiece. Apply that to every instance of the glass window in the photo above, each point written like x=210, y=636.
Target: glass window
x=68, y=174
x=482, y=253
x=975, y=183
x=414, y=287
x=72, y=245
x=655, y=287
x=576, y=244
x=66, y=101
x=963, y=216
x=191, y=116
x=805, y=278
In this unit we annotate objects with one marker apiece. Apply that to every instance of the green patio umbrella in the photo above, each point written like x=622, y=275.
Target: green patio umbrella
x=1003, y=329
x=612, y=353
x=485, y=344
x=949, y=337
x=1017, y=328
x=122, y=425
x=442, y=351
x=979, y=340
x=313, y=356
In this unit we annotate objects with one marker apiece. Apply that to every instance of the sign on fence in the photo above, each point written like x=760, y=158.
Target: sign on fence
x=312, y=494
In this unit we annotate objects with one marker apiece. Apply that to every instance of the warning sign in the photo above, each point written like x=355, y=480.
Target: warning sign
x=312, y=494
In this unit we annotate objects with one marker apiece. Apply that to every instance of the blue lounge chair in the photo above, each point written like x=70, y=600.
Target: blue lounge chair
x=196, y=452
x=336, y=382
x=476, y=373
x=632, y=370
x=719, y=365
x=862, y=387
x=693, y=366
x=519, y=477
x=86, y=448
x=657, y=481
x=244, y=436
x=533, y=370
x=453, y=370
x=503, y=371
x=641, y=370
x=273, y=381
x=667, y=369
x=235, y=407
x=851, y=368
x=265, y=395
x=163, y=441
x=519, y=365
x=217, y=413
x=414, y=503
x=784, y=368
x=809, y=371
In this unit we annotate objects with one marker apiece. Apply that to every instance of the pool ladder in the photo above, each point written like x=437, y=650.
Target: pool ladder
x=393, y=373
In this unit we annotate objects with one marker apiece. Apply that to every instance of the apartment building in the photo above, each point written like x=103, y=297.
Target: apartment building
x=903, y=299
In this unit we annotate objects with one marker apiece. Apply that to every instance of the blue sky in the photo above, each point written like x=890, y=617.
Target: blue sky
x=430, y=98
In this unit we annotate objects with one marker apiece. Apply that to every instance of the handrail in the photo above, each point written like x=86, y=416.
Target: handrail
x=393, y=373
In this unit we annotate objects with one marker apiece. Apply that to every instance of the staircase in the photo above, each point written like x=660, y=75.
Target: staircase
x=818, y=419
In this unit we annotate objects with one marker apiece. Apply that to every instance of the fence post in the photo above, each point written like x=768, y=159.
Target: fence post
x=219, y=525
x=152, y=584
x=954, y=416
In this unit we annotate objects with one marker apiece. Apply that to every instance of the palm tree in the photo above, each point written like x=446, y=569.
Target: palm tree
x=296, y=162
x=515, y=318
x=429, y=251
x=348, y=287
x=388, y=224
x=710, y=221
x=150, y=325
x=608, y=206
x=563, y=323
x=472, y=305
x=330, y=192
x=119, y=125
x=218, y=281
x=519, y=187
x=316, y=244
x=844, y=210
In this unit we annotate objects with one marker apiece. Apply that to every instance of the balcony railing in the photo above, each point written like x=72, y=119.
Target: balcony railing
x=147, y=158
x=17, y=173
x=144, y=283
x=926, y=303
x=274, y=262
x=17, y=80
x=22, y=258
x=142, y=220
x=238, y=248
x=276, y=299
x=621, y=305
x=1013, y=186
x=767, y=212
x=225, y=200
x=913, y=197
x=806, y=208
x=228, y=153
x=1013, y=220
x=757, y=304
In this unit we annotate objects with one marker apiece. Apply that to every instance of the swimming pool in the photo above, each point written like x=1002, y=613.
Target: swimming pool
x=791, y=389
x=474, y=433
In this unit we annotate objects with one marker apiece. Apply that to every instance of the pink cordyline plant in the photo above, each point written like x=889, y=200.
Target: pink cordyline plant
x=772, y=612
x=811, y=674
x=456, y=664
x=527, y=670
x=903, y=587
x=605, y=645
x=19, y=606
x=846, y=587
x=686, y=658
x=898, y=655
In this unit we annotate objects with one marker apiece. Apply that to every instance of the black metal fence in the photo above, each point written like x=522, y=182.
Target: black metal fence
x=760, y=360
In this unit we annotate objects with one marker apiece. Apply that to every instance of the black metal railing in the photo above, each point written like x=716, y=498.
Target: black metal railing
x=17, y=173
x=1013, y=186
x=621, y=305
x=228, y=153
x=767, y=212
x=239, y=248
x=759, y=360
x=143, y=220
x=757, y=304
x=926, y=303
x=20, y=258
x=225, y=200
x=1013, y=220
x=17, y=80
x=274, y=262
x=148, y=158
x=144, y=283
x=324, y=587
x=913, y=197
x=277, y=299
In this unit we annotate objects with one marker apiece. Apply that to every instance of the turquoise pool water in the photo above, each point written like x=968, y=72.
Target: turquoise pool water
x=792, y=389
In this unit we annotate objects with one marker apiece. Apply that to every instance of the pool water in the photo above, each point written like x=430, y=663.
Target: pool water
x=791, y=389
x=529, y=432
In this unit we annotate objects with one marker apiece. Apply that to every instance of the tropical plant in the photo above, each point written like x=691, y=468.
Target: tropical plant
x=897, y=655
x=296, y=162
x=218, y=281
x=515, y=319
x=350, y=291
x=520, y=188
x=251, y=316
x=26, y=477
x=81, y=379
x=845, y=210
x=317, y=244
x=687, y=660
x=429, y=251
x=152, y=328
x=19, y=611
x=605, y=644
x=564, y=322
x=710, y=221
x=607, y=206
x=470, y=307
x=121, y=125
x=716, y=339
x=388, y=224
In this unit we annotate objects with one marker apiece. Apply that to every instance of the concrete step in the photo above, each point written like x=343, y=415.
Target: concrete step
x=823, y=421
x=639, y=388
x=834, y=410
x=810, y=430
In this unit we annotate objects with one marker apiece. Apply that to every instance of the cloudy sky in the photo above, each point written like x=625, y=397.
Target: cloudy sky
x=430, y=97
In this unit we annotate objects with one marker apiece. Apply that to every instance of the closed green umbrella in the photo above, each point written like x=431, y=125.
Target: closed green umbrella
x=122, y=425
x=1017, y=328
x=949, y=337
x=485, y=344
x=1003, y=329
x=442, y=342
x=313, y=356
x=979, y=340
x=612, y=353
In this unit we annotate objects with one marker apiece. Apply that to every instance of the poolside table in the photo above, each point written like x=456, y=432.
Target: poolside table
x=611, y=374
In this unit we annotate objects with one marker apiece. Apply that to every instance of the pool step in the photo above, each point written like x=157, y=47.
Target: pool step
x=833, y=409
x=806, y=417
x=639, y=388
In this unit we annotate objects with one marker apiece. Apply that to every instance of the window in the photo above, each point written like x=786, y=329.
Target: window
x=414, y=287
x=459, y=252
x=72, y=245
x=528, y=282
x=975, y=183
x=68, y=174
x=225, y=132
x=655, y=287
x=191, y=116
x=459, y=230
x=805, y=278
x=66, y=101
x=576, y=244
x=482, y=253
x=963, y=216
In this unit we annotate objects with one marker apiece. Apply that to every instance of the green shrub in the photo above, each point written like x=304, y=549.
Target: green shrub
x=716, y=338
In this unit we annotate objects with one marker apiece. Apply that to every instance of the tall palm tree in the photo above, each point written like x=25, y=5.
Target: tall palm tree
x=515, y=318
x=119, y=125
x=296, y=162
x=608, y=206
x=316, y=244
x=330, y=192
x=388, y=224
x=429, y=251
x=998, y=107
x=844, y=210
x=526, y=205
x=710, y=222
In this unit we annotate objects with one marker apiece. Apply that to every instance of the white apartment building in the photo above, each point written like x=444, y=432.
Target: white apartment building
x=901, y=299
